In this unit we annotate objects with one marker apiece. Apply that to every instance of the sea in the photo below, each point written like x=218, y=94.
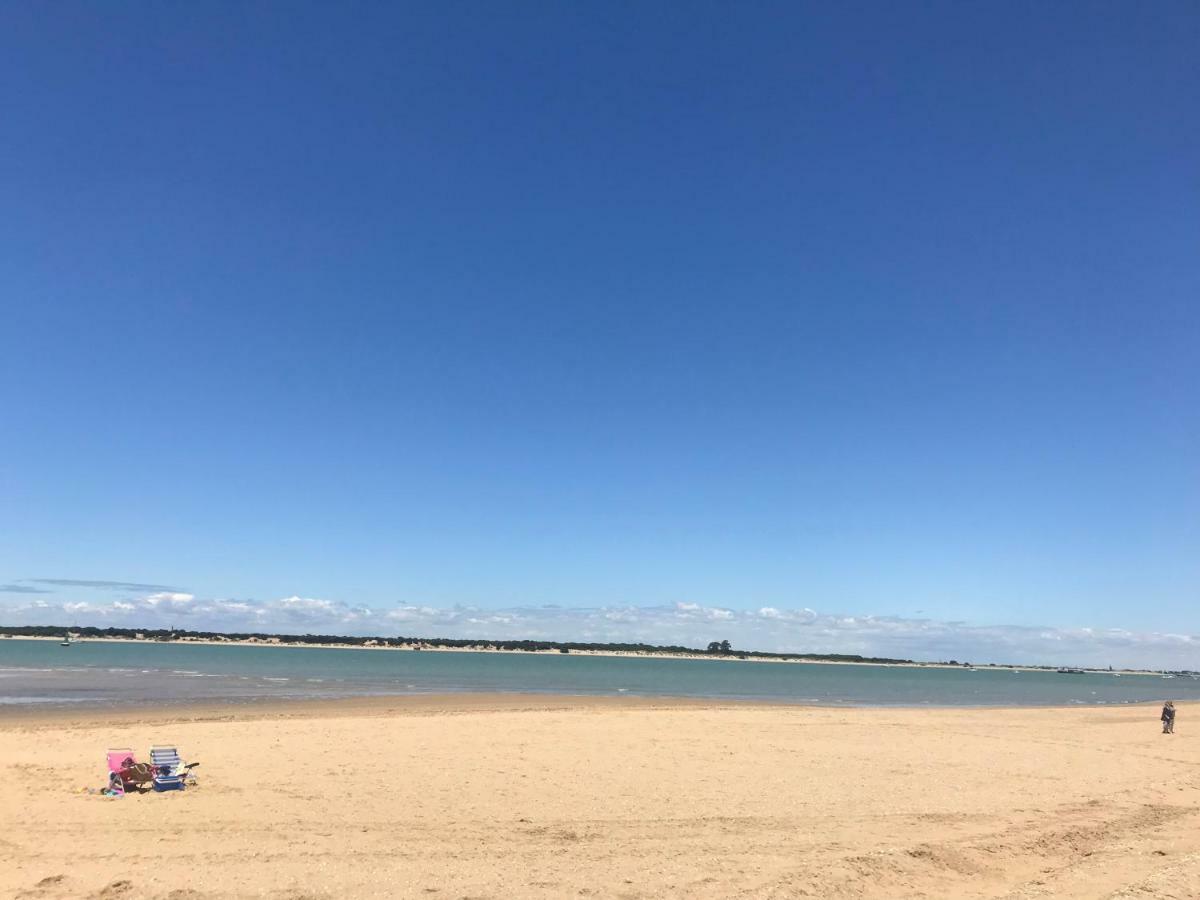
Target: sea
x=105, y=674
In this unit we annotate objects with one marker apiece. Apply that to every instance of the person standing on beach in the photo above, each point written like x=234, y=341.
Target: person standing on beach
x=1168, y=717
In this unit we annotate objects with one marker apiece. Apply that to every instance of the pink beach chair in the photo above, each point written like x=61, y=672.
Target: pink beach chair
x=124, y=771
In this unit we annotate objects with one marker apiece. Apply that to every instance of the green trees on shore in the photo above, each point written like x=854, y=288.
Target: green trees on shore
x=162, y=634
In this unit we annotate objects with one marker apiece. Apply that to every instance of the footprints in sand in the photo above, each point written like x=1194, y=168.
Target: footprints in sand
x=54, y=887
x=62, y=887
x=30, y=772
x=114, y=889
x=47, y=887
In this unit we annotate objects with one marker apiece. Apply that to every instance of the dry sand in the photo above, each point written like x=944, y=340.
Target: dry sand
x=497, y=797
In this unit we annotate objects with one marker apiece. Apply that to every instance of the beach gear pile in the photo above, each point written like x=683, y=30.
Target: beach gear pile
x=165, y=771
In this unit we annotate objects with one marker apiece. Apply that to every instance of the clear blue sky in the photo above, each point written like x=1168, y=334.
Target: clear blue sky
x=885, y=309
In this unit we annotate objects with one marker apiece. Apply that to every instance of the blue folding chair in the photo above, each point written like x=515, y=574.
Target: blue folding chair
x=169, y=770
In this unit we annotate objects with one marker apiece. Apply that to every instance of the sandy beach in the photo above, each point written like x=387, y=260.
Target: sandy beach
x=519, y=796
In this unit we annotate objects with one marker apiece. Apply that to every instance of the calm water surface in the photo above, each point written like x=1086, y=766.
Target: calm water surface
x=99, y=673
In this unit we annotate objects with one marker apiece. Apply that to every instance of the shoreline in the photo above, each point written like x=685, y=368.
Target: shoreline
x=472, y=702
x=418, y=647
x=415, y=705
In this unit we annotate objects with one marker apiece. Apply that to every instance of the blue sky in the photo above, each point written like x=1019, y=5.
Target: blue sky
x=865, y=310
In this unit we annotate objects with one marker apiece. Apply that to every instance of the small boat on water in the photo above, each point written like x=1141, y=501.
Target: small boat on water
x=66, y=641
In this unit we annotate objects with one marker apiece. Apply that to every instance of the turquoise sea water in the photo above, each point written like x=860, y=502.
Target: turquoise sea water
x=42, y=672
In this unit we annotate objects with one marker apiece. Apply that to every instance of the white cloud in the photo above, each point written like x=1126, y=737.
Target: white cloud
x=689, y=624
x=305, y=604
x=413, y=614
x=174, y=601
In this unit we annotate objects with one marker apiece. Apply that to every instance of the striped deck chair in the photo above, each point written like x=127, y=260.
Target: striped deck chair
x=169, y=770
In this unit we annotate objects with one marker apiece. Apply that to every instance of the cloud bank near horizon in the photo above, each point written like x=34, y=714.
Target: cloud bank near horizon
x=689, y=624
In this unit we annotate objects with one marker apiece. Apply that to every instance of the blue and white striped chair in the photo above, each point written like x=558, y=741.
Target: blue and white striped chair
x=169, y=771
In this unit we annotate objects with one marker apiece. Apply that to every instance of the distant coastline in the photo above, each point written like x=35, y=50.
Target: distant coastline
x=467, y=645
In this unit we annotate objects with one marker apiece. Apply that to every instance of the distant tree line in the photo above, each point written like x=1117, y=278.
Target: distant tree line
x=165, y=634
